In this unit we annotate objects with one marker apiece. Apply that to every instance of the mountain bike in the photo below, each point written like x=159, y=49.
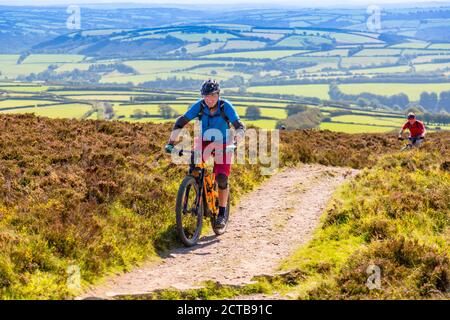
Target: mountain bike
x=412, y=143
x=198, y=198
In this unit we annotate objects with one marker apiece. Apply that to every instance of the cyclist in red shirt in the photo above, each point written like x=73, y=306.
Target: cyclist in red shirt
x=416, y=129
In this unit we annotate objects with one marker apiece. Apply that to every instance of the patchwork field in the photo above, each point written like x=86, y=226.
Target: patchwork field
x=262, y=63
x=81, y=103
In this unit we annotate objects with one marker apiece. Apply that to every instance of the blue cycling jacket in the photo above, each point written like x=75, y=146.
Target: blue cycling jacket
x=214, y=127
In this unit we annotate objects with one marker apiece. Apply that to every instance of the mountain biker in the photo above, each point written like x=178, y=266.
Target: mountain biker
x=416, y=129
x=215, y=115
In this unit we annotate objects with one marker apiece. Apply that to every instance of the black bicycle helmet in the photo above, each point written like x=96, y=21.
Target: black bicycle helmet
x=210, y=87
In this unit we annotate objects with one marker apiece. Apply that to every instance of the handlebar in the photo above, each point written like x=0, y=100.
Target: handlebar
x=411, y=138
x=228, y=149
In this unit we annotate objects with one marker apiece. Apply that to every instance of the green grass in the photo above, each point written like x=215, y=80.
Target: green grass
x=413, y=90
x=105, y=97
x=319, y=60
x=196, y=37
x=302, y=41
x=263, y=54
x=243, y=44
x=379, y=219
x=72, y=66
x=53, y=58
x=432, y=66
x=160, y=66
x=195, y=48
x=16, y=103
x=55, y=111
x=429, y=58
x=101, y=32
x=263, y=124
x=389, y=70
x=412, y=45
x=313, y=90
x=270, y=36
x=13, y=70
x=141, y=78
x=278, y=113
x=33, y=64
x=8, y=58
x=321, y=90
x=424, y=52
x=152, y=109
x=367, y=61
x=348, y=38
x=440, y=46
x=378, y=52
x=25, y=88
x=330, y=53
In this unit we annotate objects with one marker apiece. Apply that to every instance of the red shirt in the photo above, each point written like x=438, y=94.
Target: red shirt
x=417, y=129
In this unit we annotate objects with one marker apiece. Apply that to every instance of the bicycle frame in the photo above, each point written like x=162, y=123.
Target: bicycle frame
x=411, y=144
x=207, y=194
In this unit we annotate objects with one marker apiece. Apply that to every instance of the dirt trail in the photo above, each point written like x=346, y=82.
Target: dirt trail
x=266, y=226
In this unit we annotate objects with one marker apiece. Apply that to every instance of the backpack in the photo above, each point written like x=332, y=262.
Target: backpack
x=222, y=111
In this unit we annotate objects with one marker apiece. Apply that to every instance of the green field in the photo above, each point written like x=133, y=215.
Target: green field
x=195, y=37
x=16, y=103
x=310, y=90
x=378, y=52
x=53, y=58
x=321, y=90
x=329, y=53
x=412, y=45
x=265, y=124
x=440, y=46
x=347, y=38
x=375, y=123
x=55, y=111
x=34, y=63
x=412, y=90
x=385, y=70
x=302, y=41
x=251, y=53
x=242, y=44
x=260, y=54
x=432, y=66
x=367, y=61
x=152, y=109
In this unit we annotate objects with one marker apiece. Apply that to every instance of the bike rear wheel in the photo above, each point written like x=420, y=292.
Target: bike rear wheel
x=189, y=212
x=220, y=231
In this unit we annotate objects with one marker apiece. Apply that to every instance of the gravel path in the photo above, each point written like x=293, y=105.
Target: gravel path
x=266, y=226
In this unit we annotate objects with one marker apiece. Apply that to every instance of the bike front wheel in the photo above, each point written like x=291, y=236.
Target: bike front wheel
x=407, y=147
x=189, y=212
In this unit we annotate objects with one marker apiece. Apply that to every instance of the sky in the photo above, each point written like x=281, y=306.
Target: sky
x=303, y=3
